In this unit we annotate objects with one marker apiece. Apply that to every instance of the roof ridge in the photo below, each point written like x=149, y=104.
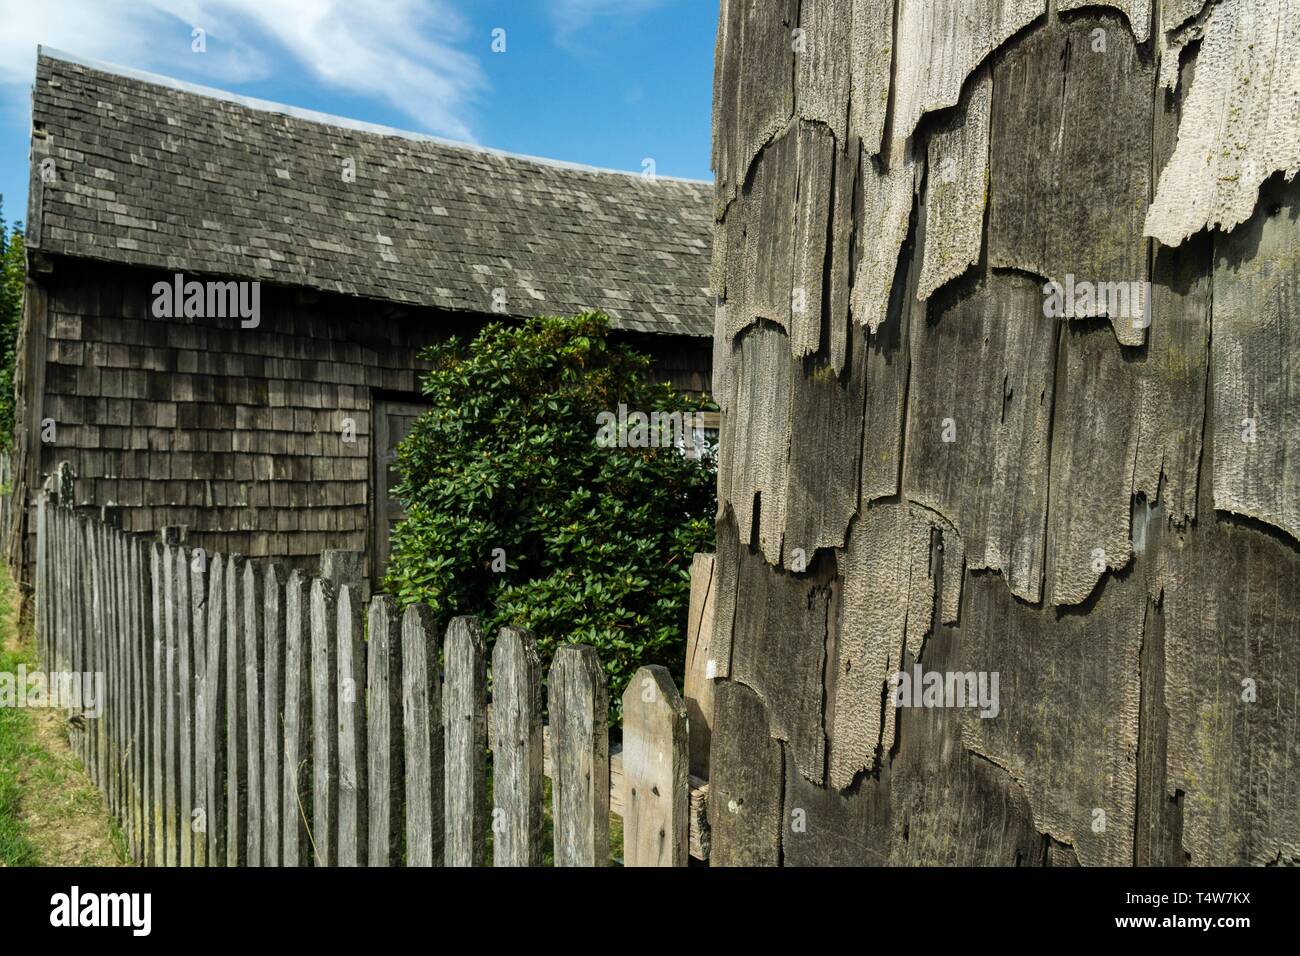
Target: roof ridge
x=328, y=119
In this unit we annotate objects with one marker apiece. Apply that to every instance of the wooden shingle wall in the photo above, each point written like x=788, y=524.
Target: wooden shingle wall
x=237, y=434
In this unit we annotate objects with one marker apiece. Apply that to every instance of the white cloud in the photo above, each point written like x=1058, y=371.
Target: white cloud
x=570, y=16
x=403, y=53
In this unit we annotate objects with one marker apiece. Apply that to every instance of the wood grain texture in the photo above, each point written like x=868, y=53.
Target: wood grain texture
x=1095, y=438
x=1232, y=665
x=871, y=53
x=875, y=567
x=422, y=733
x=578, y=705
x=517, y=749
x=298, y=803
x=324, y=722
x=1078, y=756
x=181, y=611
x=979, y=422
x=783, y=267
x=1256, y=389
x=958, y=182
x=1138, y=13
x=656, y=826
x=157, y=690
x=216, y=726
x=780, y=636
x=1239, y=123
x=756, y=438
x=754, y=76
x=701, y=665
x=384, y=726
x=236, y=781
x=272, y=743
x=940, y=42
x=199, y=813
x=746, y=783
x=253, y=602
x=354, y=785
x=1037, y=221
x=465, y=719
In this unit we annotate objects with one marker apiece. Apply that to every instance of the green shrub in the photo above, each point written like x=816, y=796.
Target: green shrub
x=597, y=541
x=12, y=272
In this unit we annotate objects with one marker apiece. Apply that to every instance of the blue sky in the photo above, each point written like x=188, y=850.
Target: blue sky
x=606, y=82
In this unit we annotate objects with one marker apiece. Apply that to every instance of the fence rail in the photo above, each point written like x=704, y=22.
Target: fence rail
x=249, y=718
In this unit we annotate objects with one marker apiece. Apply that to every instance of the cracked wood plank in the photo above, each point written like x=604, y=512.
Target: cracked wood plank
x=1075, y=216
x=746, y=783
x=756, y=438
x=1239, y=124
x=979, y=423
x=1095, y=435
x=941, y=42
x=957, y=187
x=871, y=62
x=1066, y=729
x=1256, y=401
x=754, y=79
x=779, y=648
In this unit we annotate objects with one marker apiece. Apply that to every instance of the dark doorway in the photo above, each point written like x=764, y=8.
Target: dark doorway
x=392, y=422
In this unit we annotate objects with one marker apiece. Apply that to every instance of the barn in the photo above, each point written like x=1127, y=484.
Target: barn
x=311, y=258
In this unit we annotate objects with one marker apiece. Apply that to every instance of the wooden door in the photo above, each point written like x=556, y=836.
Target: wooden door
x=392, y=422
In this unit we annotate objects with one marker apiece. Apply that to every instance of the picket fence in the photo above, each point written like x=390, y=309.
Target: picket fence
x=249, y=719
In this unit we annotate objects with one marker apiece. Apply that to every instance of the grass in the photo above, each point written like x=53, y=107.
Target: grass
x=50, y=812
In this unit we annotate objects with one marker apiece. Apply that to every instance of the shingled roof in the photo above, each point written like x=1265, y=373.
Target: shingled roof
x=154, y=172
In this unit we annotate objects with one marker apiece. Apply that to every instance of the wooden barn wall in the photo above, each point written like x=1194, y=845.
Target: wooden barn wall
x=921, y=465
x=234, y=433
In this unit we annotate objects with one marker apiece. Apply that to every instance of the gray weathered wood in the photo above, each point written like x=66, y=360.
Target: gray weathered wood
x=273, y=664
x=517, y=749
x=387, y=775
x=578, y=703
x=745, y=789
x=701, y=665
x=465, y=722
x=215, y=729
x=656, y=829
x=236, y=716
x=324, y=722
x=353, y=812
x=198, y=814
x=423, y=736
x=181, y=612
x=157, y=705
x=253, y=608
x=297, y=806
x=171, y=707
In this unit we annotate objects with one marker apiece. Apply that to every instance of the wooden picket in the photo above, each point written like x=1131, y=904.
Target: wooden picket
x=272, y=708
x=353, y=819
x=518, y=750
x=249, y=717
x=423, y=734
x=296, y=808
x=465, y=764
x=384, y=692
